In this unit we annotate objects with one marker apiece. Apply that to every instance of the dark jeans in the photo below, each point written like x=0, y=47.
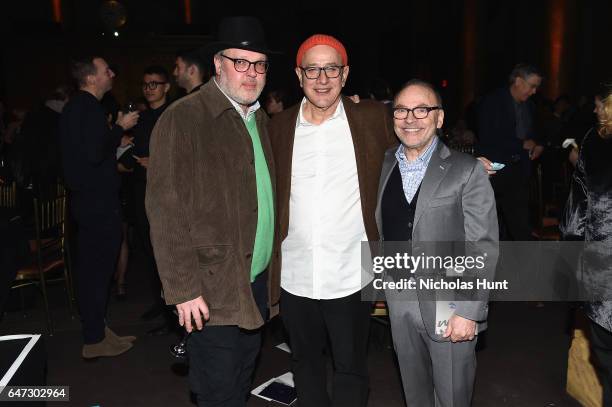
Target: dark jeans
x=98, y=242
x=222, y=358
x=511, y=186
x=346, y=322
x=601, y=344
x=141, y=225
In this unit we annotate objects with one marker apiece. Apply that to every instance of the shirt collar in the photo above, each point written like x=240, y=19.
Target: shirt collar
x=422, y=159
x=195, y=89
x=245, y=116
x=339, y=113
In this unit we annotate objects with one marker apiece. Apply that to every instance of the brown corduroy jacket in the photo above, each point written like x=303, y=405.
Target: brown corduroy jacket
x=371, y=128
x=201, y=202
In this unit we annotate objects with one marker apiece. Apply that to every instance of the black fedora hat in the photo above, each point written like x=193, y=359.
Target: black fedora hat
x=239, y=32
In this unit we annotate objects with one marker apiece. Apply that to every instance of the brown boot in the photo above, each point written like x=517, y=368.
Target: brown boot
x=107, y=347
x=113, y=336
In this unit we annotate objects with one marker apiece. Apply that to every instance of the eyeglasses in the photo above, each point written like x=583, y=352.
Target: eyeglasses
x=313, y=72
x=243, y=65
x=152, y=85
x=420, y=112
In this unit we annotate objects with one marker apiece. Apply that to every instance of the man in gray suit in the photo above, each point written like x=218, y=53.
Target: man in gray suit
x=429, y=193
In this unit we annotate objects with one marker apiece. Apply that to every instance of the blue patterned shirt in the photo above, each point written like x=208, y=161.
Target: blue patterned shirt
x=412, y=172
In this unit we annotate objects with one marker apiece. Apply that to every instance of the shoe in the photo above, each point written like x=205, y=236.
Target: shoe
x=179, y=350
x=153, y=312
x=113, y=336
x=105, y=348
x=160, y=330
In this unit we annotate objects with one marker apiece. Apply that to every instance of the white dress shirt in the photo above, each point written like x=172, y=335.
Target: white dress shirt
x=321, y=256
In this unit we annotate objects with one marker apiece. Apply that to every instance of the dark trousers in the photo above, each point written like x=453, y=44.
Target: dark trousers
x=98, y=242
x=434, y=374
x=511, y=186
x=143, y=230
x=141, y=224
x=222, y=358
x=601, y=344
x=346, y=322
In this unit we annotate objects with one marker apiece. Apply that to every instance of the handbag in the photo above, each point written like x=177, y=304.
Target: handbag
x=582, y=381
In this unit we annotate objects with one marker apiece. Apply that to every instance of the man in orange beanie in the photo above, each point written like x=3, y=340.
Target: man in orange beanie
x=333, y=150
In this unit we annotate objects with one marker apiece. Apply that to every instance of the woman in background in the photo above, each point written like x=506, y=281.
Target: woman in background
x=588, y=217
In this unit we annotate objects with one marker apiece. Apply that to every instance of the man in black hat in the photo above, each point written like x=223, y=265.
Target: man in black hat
x=210, y=203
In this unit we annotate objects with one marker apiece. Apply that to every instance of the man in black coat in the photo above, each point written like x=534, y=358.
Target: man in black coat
x=506, y=135
x=41, y=130
x=88, y=145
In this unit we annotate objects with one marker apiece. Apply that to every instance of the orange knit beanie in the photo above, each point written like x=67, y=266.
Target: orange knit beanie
x=321, y=39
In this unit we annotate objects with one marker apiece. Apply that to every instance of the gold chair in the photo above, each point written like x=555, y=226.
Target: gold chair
x=50, y=253
x=8, y=195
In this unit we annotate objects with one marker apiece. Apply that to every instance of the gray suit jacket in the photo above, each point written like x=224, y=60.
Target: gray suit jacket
x=455, y=204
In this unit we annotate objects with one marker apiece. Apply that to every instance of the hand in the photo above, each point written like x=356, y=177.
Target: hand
x=573, y=156
x=355, y=98
x=487, y=165
x=122, y=168
x=127, y=120
x=144, y=161
x=460, y=329
x=126, y=140
x=195, y=309
x=536, y=152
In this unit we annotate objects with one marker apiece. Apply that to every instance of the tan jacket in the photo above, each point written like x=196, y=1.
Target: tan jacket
x=201, y=202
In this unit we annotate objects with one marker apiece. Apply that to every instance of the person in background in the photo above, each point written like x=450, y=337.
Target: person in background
x=588, y=217
x=275, y=101
x=155, y=88
x=599, y=115
x=88, y=146
x=41, y=130
x=15, y=150
x=380, y=90
x=506, y=135
x=189, y=70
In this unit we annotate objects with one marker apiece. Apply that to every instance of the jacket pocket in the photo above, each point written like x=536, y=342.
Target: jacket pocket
x=442, y=201
x=218, y=270
x=208, y=255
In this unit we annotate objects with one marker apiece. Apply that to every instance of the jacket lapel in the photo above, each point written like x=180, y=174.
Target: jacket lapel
x=388, y=165
x=282, y=135
x=354, y=122
x=262, y=128
x=211, y=96
x=436, y=170
x=356, y=127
